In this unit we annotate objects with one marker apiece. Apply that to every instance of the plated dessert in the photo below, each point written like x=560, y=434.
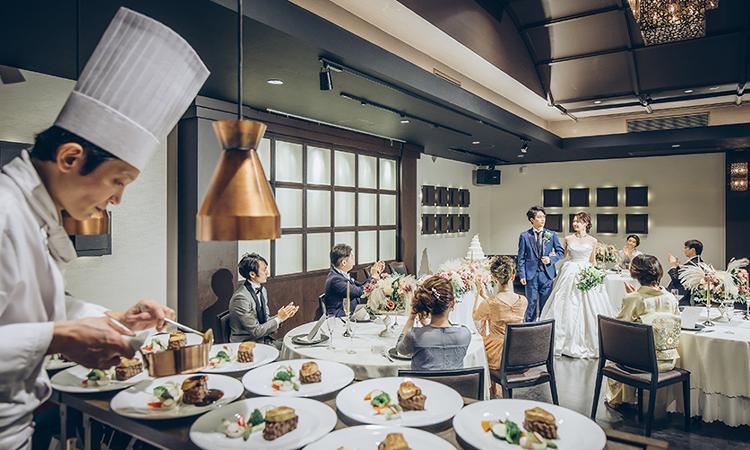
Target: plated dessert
x=394, y=441
x=540, y=425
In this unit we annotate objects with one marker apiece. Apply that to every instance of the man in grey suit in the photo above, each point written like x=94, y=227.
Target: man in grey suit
x=248, y=309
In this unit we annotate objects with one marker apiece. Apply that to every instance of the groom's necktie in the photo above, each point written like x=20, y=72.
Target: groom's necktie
x=538, y=235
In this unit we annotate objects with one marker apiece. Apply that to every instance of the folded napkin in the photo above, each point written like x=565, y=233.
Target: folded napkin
x=361, y=314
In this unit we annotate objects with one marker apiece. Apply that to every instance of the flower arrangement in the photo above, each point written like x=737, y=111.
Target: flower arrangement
x=463, y=274
x=737, y=270
x=392, y=293
x=589, y=278
x=707, y=283
x=606, y=253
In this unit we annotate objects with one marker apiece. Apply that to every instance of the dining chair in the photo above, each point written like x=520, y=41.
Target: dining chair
x=468, y=382
x=528, y=358
x=630, y=346
x=398, y=267
x=225, y=331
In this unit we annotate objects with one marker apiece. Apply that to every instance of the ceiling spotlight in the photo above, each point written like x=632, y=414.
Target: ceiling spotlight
x=275, y=81
x=675, y=145
x=597, y=102
x=713, y=88
x=475, y=142
x=521, y=155
x=524, y=146
x=326, y=83
x=404, y=119
x=688, y=91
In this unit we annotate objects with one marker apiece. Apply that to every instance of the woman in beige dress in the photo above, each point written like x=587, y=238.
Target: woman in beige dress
x=651, y=304
x=494, y=313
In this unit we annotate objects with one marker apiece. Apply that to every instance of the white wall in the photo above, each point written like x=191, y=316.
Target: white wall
x=444, y=172
x=137, y=267
x=686, y=201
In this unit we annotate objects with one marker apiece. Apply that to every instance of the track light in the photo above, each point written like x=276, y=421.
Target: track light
x=524, y=146
x=326, y=82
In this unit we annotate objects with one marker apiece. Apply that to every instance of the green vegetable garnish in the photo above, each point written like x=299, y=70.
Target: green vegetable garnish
x=96, y=374
x=247, y=433
x=223, y=355
x=551, y=444
x=256, y=418
x=284, y=375
x=162, y=393
x=512, y=432
x=381, y=399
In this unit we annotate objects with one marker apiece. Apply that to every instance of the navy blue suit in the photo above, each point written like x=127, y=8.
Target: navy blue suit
x=539, y=277
x=335, y=292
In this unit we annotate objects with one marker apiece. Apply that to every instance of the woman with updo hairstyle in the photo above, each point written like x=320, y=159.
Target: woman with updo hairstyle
x=652, y=305
x=629, y=251
x=492, y=314
x=437, y=345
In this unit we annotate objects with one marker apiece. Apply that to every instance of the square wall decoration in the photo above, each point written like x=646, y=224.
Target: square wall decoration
x=636, y=196
x=553, y=198
x=606, y=196
x=555, y=222
x=636, y=223
x=442, y=196
x=578, y=197
x=464, y=198
x=429, y=195
x=429, y=224
x=453, y=197
x=465, y=223
x=606, y=223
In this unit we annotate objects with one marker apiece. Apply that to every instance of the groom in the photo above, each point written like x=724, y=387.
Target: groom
x=538, y=251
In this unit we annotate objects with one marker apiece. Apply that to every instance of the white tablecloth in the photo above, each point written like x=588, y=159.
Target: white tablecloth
x=367, y=360
x=614, y=283
x=462, y=312
x=719, y=365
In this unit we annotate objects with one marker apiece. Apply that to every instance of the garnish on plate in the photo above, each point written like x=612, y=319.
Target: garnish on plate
x=383, y=405
x=156, y=345
x=535, y=419
x=239, y=426
x=285, y=379
x=221, y=357
x=166, y=395
x=97, y=377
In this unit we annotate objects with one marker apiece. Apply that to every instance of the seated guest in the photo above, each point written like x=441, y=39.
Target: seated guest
x=499, y=310
x=248, y=308
x=438, y=345
x=651, y=305
x=342, y=261
x=630, y=251
x=693, y=250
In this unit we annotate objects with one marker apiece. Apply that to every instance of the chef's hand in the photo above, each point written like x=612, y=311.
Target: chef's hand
x=144, y=314
x=545, y=260
x=673, y=261
x=93, y=342
x=287, y=311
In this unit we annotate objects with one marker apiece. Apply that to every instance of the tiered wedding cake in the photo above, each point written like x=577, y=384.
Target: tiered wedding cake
x=475, y=252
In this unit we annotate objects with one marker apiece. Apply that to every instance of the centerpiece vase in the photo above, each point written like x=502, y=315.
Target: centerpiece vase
x=708, y=322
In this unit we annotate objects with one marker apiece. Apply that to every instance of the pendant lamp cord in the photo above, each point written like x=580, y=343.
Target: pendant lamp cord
x=78, y=39
x=239, y=59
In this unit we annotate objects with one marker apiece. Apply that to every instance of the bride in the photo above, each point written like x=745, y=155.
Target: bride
x=575, y=311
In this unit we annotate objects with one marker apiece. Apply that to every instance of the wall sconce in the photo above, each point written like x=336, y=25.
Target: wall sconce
x=738, y=176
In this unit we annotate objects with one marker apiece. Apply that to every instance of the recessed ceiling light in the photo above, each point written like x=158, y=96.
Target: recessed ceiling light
x=521, y=155
x=475, y=142
x=597, y=102
x=688, y=91
x=675, y=145
x=713, y=88
x=404, y=120
x=275, y=81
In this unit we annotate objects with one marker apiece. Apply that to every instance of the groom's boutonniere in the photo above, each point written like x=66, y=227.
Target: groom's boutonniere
x=547, y=236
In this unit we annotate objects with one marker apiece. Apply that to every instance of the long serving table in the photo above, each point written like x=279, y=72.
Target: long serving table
x=174, y=434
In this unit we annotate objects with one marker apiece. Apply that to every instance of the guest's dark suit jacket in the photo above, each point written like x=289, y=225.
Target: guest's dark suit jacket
x=335, y=292
x=674, y=274
x=243, y=317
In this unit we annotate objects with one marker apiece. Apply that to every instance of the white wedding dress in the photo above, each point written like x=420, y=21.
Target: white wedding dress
x=575, y=311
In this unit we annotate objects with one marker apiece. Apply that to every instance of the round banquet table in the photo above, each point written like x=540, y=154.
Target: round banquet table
x=463, y=311
x=367, y=359
x=614, y=283
x=719, y=365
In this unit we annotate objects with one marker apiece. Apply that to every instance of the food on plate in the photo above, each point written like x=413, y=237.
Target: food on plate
x=541, y=421
x=166, y=396
x=382, y=404
x=410, y=397
x=97, y=377
x=394, y=441
x=177, y=339
x=309, y=373
x=222, y=357
x=155, y=345
x=285, y=379
x=509, y=431
x=279, y=421
x=239, y=426
x=195, y=389
x=245, y=352
x=128, y=368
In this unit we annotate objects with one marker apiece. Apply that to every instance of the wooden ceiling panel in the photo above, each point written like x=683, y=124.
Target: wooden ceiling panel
x=597, y=76
x=534, y=11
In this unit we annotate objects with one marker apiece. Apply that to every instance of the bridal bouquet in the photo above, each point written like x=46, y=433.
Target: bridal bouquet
x=463, y=274
x=391, y=293
x=606, y=254
x=589, y=278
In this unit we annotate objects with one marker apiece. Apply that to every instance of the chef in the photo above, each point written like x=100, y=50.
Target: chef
x=139, y=80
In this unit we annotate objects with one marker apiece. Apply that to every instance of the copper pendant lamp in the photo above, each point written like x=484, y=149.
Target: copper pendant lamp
x=98, y=224
x=239, y=203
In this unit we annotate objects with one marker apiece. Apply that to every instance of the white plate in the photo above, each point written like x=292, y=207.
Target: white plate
x=70, y=380
x=316, y=419
x=262, y=354
x=133, y=402
x=369, y=436
x=333, y=377
x=57, y=364
x=441, y=405
x=575, y=431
